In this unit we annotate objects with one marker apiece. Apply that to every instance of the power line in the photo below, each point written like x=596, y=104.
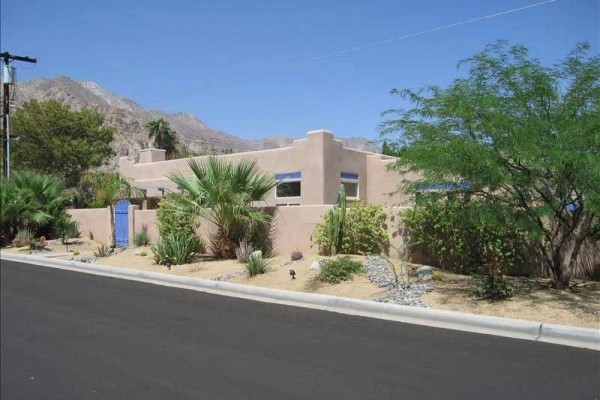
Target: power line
x=348, y=50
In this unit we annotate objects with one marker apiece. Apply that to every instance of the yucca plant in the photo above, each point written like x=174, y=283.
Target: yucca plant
x=175, y=249
x=256, y=264
x=141, y=238
x=223, y=192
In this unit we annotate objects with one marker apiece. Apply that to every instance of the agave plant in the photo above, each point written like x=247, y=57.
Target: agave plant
x=223, y=192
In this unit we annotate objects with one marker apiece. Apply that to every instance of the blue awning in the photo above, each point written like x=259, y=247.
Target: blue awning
x=349, y=175
x=288, y=175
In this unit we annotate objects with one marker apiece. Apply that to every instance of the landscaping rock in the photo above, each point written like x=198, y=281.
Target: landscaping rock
x=425, y=273
x=379, y=273
x=317, y=265
x=138, y=252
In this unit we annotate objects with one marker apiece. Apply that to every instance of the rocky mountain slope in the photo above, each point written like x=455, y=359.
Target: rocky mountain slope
x=129, y=119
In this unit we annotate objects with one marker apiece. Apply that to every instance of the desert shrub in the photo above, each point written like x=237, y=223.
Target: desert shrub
x=38, y=244
x=364, y=231
x=65, y=228
x=339, y=270
x=243, y=251
x=465, y=235
x=175, y=249
x=174, y=221
x=23, y=237
x=437, y=276
x=296, y=255
x=256, y=264
x=76, y=253
x=493, y=287
x=103, y=251
x=141, y=238
x=143, y=254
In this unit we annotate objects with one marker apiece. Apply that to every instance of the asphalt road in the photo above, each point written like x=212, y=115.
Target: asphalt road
x=68, y=335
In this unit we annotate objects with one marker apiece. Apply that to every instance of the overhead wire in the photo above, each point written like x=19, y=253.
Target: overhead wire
x=309, y=60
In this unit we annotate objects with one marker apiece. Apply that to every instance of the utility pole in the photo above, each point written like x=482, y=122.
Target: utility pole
x=8, y=80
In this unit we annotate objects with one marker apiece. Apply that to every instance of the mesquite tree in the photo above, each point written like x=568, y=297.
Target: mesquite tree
x=517, y=133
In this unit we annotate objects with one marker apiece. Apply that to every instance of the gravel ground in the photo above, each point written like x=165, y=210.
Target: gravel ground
x=379, y=273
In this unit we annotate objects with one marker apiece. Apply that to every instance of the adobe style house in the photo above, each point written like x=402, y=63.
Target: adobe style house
x=309, y=173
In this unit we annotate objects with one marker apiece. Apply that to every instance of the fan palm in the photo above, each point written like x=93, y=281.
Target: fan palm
x=164, y=137
x=29, y=199
x=223, y=192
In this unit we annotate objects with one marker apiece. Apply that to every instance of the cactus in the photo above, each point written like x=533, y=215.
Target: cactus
x=337, y=222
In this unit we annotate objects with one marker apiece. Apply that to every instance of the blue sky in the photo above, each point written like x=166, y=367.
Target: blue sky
x=189, y=56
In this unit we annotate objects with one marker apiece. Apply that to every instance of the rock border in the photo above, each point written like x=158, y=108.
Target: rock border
x=518, y=329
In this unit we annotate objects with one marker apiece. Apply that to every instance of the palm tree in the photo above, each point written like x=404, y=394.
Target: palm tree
x=105, y=189
x=223, y=192
x=29, y=200
x=164, y=137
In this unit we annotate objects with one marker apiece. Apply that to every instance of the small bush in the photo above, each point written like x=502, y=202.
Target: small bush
x=464, y=234
x=38, y=244
x=76, y=253
x=243, y=251
x=103, y=251
x=175, y=249
x=364, y=231
x=493, y=287
x=256, y=264
x=339, y=270
x=143, y=254
x=173, y=221
x=296, y=255
x=437, y=276
x=65, y=228
x=24, y=236
x=141, y=238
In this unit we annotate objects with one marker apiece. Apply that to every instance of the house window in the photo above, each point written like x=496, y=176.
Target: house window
x=350, y=182
x=289, y=185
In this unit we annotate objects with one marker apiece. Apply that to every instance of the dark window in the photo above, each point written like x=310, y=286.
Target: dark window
x=289, y=189
x=351, y=189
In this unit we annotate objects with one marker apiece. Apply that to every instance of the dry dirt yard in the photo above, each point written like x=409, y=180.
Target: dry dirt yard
x=533, y=300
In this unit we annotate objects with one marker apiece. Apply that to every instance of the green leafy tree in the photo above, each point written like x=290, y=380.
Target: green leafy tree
x=390, y=149
x=164, y=137
x=104, y=189
x=55, y=140
x=223, y=192
x=521, y=134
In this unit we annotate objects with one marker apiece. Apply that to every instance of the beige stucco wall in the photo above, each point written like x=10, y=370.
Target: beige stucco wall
x=147, y=218
x=319, y=158
x=94, y=220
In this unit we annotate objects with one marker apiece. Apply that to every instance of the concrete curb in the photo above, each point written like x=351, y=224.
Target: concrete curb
x=528, y=330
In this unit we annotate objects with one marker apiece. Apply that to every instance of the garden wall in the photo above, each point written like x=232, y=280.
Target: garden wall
x=94, y=220
x=293, y=226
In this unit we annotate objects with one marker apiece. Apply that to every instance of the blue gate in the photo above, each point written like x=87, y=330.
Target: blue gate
x=122, y=223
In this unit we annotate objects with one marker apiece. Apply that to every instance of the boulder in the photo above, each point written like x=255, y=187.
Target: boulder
x=317, y=265
x=425, y=273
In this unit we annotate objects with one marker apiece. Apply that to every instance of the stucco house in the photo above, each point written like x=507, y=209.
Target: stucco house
x=309, y=173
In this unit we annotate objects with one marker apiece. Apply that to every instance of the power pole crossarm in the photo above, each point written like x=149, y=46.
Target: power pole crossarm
x=8, y=57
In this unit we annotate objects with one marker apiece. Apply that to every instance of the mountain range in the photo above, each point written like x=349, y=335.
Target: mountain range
x=129, y=118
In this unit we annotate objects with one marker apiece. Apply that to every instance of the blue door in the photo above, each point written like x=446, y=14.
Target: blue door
x=122, y=223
